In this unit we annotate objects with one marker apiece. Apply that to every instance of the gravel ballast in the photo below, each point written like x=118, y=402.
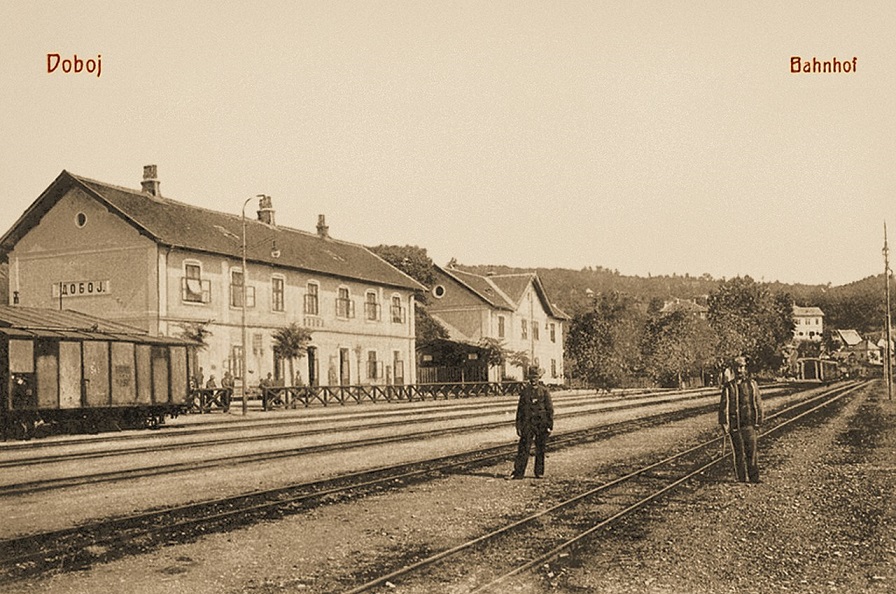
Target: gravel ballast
x=821, y=521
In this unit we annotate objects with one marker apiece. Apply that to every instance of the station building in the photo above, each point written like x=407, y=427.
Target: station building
x=513, y=309
x=135, y=257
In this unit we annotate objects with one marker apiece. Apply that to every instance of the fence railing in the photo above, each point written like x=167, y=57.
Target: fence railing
x=293, y=397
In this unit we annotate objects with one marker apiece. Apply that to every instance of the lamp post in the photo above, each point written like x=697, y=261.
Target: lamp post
x=243, y=313
x=888, y=369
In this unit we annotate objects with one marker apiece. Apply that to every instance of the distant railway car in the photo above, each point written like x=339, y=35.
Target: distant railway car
x=815, y=369
x=71, y=372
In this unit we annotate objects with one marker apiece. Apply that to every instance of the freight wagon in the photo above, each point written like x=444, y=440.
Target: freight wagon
x=63, y=371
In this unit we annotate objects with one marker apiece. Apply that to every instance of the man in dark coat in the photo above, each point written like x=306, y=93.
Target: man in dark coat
x=740, y=414
x=534, y=421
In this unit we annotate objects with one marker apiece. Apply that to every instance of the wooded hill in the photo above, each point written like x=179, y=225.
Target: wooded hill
x=860, y=305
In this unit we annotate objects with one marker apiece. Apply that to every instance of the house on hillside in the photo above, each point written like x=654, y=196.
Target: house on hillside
x=688, y=306
x=139, y=258
x=808, y=324
x=844, y=338
x=512, y=309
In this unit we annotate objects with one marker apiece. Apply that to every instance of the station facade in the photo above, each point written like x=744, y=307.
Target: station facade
x=137, y=258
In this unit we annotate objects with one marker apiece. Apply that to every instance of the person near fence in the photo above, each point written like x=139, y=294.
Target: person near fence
x=227, y=394
x=266, y=395
x=740, y=415
x=534, y=422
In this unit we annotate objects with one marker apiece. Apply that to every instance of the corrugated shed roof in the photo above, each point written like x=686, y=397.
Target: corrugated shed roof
x=181, y=225
x=69, y=324
x=849, y=337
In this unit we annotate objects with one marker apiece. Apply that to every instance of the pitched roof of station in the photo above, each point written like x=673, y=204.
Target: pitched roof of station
x=180, y=225
x=505, y=291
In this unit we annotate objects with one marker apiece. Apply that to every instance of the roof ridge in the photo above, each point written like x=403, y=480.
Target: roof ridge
x=501, y=292
x=162, y=219
x=236, y=217
x=452, y=273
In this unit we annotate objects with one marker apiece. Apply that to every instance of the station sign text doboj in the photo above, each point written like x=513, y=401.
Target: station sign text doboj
x=81, y=288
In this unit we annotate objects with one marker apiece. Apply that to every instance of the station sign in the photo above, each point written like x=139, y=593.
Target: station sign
x=81, y=288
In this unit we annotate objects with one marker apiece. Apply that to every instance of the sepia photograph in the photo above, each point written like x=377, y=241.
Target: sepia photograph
x=447, y=296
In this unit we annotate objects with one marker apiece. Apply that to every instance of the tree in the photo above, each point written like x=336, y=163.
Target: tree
x=494, y=353
x=414, y=262
x=291, y=343
x=751, y=320
x=410, y=259
x=197, y=332
x=603, y=344
x=677, y=346
x=519, y=359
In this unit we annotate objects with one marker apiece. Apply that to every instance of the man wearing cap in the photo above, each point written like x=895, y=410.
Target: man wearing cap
x=740, y=414
x=534, y=420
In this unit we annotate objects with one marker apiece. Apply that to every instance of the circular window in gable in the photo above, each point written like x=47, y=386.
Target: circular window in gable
x=81, y=219
x=438, y=291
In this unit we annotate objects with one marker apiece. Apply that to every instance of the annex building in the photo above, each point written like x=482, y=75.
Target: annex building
x=138, y=258
x=513, y=309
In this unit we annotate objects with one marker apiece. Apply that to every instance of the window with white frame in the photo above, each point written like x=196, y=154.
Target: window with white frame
x=397, y=310
x=277, y=289
x=345, y=307
x=500, y=326
x=553, y=332
x=524, y=327
x=371, y=365
x=193, y=288
x=312, y=299
x=535, y=330
x=371, y=306
x=236, y=290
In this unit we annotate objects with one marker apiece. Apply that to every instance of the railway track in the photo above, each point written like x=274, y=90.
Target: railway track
x=75, y=547
x=105, y=540
x=180, y=433
x=483, y=564
x=229, y=459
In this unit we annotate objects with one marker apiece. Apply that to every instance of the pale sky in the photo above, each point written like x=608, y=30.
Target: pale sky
x=650, y=137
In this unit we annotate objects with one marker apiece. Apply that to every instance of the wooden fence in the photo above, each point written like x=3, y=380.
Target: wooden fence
x=325, y=395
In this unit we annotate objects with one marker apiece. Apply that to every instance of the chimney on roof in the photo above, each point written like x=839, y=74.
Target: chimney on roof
x=265, y=209
x=322, y=229
x=150, y=181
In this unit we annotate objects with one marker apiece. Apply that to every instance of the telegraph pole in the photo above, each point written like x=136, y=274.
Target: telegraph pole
x=888, y=370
